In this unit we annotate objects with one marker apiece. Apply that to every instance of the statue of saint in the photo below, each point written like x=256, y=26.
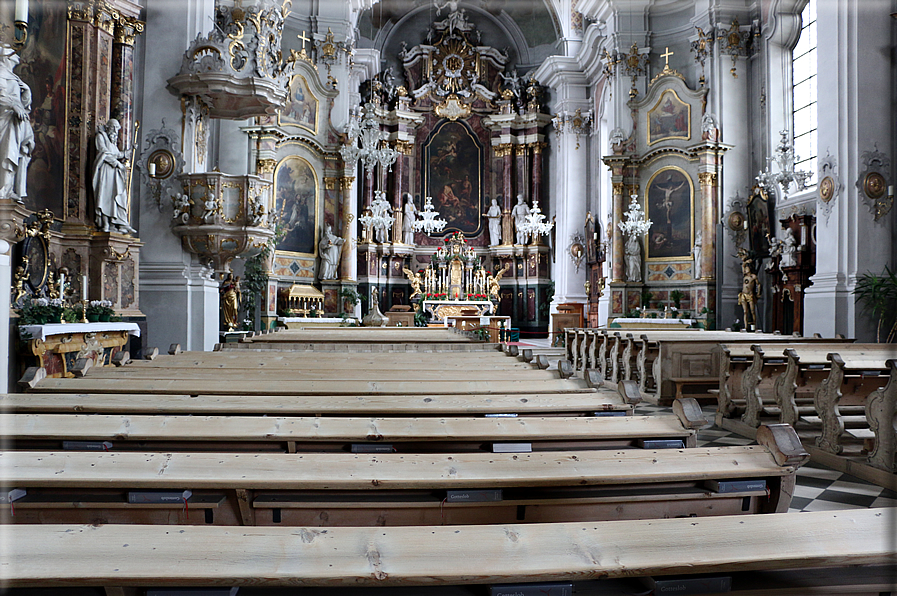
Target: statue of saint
x=230, y=301
x=16, y=134
x=699, y=244
x=110, y=187
x=330, y=247
x=789, y=249
x=519, y=213
x=750, y=292
x=494, y=217
x=409, y=219
x=633, y=258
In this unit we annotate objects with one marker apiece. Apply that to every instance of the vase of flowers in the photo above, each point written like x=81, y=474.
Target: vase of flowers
x=40, y=311
x=100, y=310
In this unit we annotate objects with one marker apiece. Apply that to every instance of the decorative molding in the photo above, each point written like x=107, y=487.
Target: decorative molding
x=265, y=166
x=346, y=182
x=405, y=147
x=830, y=185
x=734, y=219
x=330, y=183
x=503, y=150
x=619, y=188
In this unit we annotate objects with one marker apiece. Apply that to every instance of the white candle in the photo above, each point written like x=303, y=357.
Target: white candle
x=152, y=169
x=890, y=191
x=803, y=235
x=84, y=287
x=22, y=10
x=62, y=285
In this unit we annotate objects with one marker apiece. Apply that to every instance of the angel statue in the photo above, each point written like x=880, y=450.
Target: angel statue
x=415, y=280
x=493, y=280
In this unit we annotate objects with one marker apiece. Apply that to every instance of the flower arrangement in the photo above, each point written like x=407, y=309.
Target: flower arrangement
x=455, y=237
x=100, y=310
x=40, y=311
x=477, y=297
x=432, y=296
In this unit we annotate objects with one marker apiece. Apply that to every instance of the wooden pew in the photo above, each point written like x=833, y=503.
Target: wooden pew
x=405, y=489
x=327, y=405
x=141, y=432
x=195, y=556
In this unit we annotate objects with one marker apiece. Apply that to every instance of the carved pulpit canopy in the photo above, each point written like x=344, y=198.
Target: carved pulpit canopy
x=238, y=68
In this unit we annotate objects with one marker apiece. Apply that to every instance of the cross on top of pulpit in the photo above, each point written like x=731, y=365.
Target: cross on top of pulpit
x=302, y=37
x=666, y=57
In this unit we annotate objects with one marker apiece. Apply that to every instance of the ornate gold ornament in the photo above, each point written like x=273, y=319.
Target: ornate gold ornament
x=405, y=147
x=265, y=166
x=619, y=188
x=452, y=108
x=874, y=185
x=504, y=150
x=736, y=221
x=707, y=178
x=127, y=29
x=826, y=189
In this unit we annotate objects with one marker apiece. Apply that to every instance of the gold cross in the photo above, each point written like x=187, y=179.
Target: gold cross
x=304, y=39
x=667, y=57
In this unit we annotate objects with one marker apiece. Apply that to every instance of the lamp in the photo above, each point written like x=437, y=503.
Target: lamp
x=534, y=224
x=635, y=223
x=786, y=175
x=428, y=223
x=380, y=217
x=374, y=150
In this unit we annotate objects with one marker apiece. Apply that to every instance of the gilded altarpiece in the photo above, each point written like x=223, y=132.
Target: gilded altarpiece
x=468, y=129
x=671, y=162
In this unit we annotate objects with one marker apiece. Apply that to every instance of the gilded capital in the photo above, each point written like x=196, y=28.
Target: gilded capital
x=265, y=166
x=707, y=178
x=404, y=147
x=127, y=29
x=538, y=146
x=619, y=187
x=79, y=10
x=503, y=150
x=330, y=183
x=346, y=182
x=106, y=17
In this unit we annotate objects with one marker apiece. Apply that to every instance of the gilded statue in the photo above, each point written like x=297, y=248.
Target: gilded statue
x=415, y=279
x=750, y=290
x=230, y=301
x=492, y=281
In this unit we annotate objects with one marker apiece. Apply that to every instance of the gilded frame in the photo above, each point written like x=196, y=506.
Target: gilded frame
x=279, y=206
x=686, y=253
x=475, y=226
x=282, y=121
x=670, y=137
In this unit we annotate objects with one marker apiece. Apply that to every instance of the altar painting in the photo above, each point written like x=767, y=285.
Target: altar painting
x=670, y=118
x=670, y=206
x=453, y=171
x=296, y=192
x=302, y=107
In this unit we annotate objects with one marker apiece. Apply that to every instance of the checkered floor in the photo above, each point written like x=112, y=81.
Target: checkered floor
x=818, y=488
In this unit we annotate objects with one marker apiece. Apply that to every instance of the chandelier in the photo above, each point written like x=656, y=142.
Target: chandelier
x=374, y=149
x=428, y=223
x=380, y=217
x=787, y=175
x=534, y=224
x=635, y=223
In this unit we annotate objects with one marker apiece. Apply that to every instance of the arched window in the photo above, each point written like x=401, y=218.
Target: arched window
x=803, y=88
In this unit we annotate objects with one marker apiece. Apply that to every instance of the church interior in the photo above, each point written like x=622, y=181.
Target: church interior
x=602, y=237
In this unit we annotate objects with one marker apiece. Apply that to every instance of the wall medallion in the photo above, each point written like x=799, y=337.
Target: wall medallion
x=873, y=182
x=829, y=185
x=826, y=189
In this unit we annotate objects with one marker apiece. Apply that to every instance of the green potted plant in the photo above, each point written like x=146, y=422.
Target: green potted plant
x=676, y=296
x=350, y=297
x=40, y=311
x=878, y=295
x=100, y=310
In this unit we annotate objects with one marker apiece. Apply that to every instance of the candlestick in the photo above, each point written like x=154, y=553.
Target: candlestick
x=84, y=304
x=84, y=287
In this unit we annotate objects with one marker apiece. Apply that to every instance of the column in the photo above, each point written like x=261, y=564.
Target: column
x=536, y=192
x=618, y=264
x=6, y=283
x=349, y=261
x=708, y=228
x=506, y=152
x=122, y=98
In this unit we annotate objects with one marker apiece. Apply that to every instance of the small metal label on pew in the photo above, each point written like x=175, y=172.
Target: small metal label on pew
x=661, y=444
x=11, y=496
x=472, y=496
x=532, y=590
x=512, y=447
x=688, y=585
x=369, y=448
x=735, y=486
x=501, y=415
x=86, y=445
x=158, y=496
x=610, y=413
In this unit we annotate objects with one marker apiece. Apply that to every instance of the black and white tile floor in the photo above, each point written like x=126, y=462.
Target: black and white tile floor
x=818, y=488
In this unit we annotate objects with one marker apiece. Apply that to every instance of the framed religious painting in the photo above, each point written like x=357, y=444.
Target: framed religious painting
x=669, y=119
x=758, y=228
x=301, y=107
x=296, y=201
x=453, y=176
x=670, y=206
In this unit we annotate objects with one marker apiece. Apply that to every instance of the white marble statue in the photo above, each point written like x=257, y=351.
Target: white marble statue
x=789, y=249
x=381, y=230
x=16, y=134
x=519, y=213
x=409, y=219
x=699, y=243
x=633, y=258
x=330, y=247
x=494, y=217
x=110, y=186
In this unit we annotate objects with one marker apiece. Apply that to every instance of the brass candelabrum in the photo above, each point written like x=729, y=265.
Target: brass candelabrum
x=84, y=304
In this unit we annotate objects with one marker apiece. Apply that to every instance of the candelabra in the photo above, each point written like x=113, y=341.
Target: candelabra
x=636, y=223
x=380, y=218
x=784, y=158
x=576, y=123
x=428, y=223
x=374, y=150
x=534, y=225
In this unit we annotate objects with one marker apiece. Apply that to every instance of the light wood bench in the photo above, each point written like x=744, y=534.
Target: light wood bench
x=406, y=489
x=309, y=405
x=115, y=556
x=317, y=434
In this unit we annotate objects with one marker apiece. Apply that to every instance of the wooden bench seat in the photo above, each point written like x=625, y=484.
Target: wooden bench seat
x=305, y=405
x=114, y=556
x=307, y=434
x=682, y=382
x=553, y=486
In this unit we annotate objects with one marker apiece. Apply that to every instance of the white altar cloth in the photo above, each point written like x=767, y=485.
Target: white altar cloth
x=42, y=332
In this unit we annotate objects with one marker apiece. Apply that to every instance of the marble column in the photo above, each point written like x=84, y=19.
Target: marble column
x=122, y=98
x=506, y=152
x=618, y=266
x=536, y=192
x=348, y=260
x=709, y=192
x=5, y=282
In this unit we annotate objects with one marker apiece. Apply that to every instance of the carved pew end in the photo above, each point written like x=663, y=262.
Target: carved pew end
x=528, y=355
x=593, y=378
x=690, y=413
x=512, y=350
x=629, y=391
x=150, y=353
x=81, y=366
x=217, y=348
x=174, y=349
x=565, y=369
x=783, y=443
x=33, y=375
x=121, y=358
x=542, y=361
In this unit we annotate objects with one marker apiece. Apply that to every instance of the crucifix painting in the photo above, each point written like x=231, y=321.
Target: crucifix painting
x=669, y=207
